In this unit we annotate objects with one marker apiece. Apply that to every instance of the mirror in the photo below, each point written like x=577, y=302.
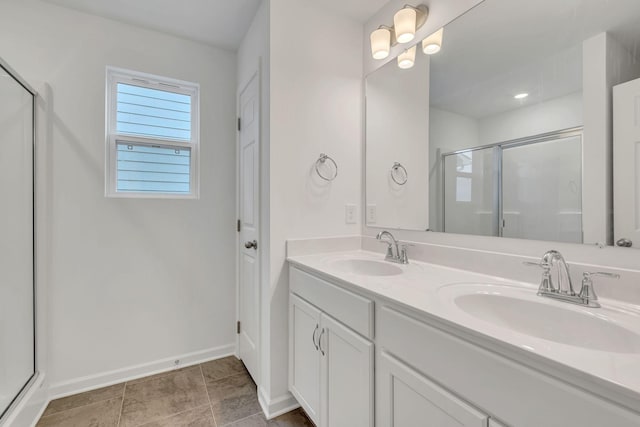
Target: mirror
x=17, y=362
x=517, y=111
x=397, y=155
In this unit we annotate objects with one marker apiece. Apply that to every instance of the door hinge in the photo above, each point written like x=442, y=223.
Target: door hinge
x=239, y=226
x=239, y=124
x=238, y=327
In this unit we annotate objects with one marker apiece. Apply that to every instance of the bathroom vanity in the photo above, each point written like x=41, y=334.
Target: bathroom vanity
x=379, y=343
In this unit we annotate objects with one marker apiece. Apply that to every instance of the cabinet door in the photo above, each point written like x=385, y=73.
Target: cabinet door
x=304, y=357
x=346, y=376
x=405, y=398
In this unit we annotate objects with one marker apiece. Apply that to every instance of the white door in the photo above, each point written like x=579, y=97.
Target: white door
x=346, y=378
x=626, y=163
x=249, y=191
x=304, y=355
x=405, y=398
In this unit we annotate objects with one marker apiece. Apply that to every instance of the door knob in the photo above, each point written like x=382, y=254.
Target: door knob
x=624, y=243
x=252, y=244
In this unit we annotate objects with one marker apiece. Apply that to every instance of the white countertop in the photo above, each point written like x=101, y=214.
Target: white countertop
x=421, y=287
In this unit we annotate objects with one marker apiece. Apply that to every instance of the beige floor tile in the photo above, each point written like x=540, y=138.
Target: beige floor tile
x=199, y=417
x=230, y=387
x=257, y=420
x=221, y=368
x=163, y=396
x=295, y=418
x=82, y=399
x=100, y=414
x=160, y=375
x=235, y=408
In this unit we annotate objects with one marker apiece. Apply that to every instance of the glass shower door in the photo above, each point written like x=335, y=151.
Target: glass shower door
x=470, y=192
x=542, y=190
x=17, y=364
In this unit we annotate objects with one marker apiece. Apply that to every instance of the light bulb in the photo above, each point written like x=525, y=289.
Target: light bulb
x=407, y=58
x=433, y=43
x=404, y=22
x=380, y=43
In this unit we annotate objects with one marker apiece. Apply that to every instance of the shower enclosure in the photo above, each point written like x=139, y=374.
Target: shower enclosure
x=17, y=290
x=530, y=188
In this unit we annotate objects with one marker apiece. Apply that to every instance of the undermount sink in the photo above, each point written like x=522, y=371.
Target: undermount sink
x=367, y=267
x=520, y=311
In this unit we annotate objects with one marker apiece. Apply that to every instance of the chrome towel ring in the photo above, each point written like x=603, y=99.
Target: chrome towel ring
x=321, y=161
x=399, y=174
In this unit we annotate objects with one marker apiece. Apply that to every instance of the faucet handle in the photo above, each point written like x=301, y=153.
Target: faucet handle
x=543, y=265
x=587, y=293
x=402, y=252
x=546, y=285
x=587, y=275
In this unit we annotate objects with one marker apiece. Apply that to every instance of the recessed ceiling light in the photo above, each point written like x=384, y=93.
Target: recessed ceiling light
x=521, y=96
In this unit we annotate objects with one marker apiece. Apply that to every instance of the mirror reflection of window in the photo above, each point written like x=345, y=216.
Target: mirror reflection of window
x=465, y=162
x=463, y=189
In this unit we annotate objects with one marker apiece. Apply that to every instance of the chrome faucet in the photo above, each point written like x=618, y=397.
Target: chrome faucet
x=563, y=291
x=396, y=251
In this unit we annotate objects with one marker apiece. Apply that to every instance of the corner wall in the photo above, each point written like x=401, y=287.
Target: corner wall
x=315, y=107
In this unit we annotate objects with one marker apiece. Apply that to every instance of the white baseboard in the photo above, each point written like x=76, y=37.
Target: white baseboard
x=92, y=382
x=276, y=406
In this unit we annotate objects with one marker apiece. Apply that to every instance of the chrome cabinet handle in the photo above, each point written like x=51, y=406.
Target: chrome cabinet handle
x=252, y=244
x=320, y=341
x=313, y=337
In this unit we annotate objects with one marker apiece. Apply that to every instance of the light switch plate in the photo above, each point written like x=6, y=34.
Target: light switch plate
x=350, y=214
x=372, y=214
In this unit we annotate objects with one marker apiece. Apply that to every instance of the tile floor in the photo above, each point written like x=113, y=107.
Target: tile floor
x=213, y=394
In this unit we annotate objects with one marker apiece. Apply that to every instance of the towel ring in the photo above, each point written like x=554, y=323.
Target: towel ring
x=322, y=160
x=394, y=171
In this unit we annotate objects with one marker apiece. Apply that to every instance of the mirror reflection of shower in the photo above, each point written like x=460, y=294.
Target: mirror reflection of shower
x=530, y=188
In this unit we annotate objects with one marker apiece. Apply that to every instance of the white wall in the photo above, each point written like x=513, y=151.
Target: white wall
x=553, y=115
x=316, y=106
x=397, y=130
x=447, y=132
x=132, y=282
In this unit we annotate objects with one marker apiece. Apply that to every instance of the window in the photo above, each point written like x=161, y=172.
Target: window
x=152, y=136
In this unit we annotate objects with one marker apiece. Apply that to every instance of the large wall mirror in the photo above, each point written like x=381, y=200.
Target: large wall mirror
x=508, y=130
x=17, y=334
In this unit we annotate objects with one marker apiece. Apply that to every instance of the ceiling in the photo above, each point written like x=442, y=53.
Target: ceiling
x=358, y=10
x=221, y=23
x=504, y=47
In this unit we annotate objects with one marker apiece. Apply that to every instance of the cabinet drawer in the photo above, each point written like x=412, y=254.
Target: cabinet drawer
x=353, y=310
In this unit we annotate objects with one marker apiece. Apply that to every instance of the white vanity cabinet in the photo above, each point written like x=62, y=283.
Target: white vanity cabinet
x=428, y=371
x=330, y=364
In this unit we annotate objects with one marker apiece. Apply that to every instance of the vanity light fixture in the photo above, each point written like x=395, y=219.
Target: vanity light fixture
x=521, y=95
x=381, y=42
x=407, y=58
x=407, y=20
x=433, y=43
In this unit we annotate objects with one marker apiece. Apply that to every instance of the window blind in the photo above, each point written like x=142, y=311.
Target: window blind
x=153, y=113
x=152, y=168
